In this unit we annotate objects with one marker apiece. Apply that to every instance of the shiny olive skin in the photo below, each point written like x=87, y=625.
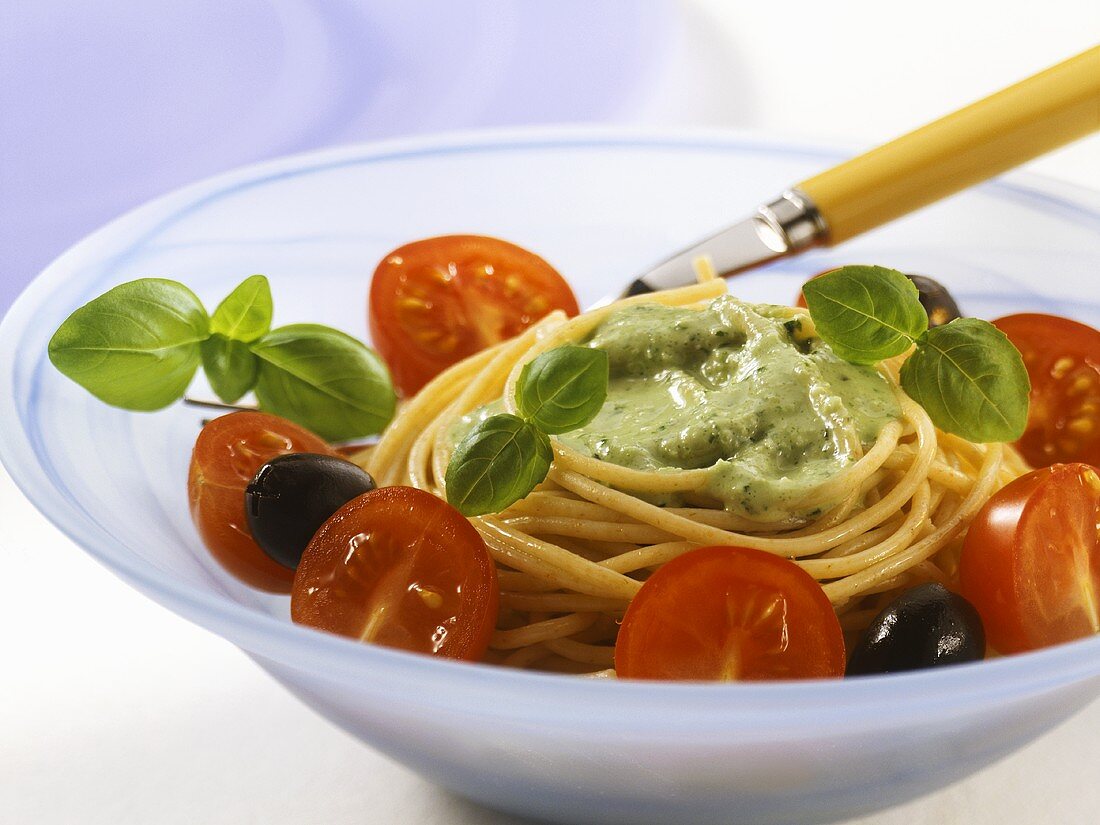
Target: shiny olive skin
x=291, y=496
x=936, y=300
x=926, y=626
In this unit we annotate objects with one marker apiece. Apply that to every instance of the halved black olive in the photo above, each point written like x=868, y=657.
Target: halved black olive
x=293, y=495
x=936, y=300
x=926, y=626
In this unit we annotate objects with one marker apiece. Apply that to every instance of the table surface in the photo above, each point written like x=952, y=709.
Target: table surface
x=114, y=710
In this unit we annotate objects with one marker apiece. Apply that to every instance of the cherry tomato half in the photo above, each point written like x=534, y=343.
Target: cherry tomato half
x=401, y=568
x=436, y=301
x=228, y=453
x=730, y=614
x=1063, y=361
x=1031, y=563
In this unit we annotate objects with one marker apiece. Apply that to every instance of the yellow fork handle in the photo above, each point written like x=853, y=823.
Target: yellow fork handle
x=1045, y=111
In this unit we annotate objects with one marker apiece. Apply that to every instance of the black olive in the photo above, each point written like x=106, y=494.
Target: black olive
x=293, y=495
x=926, y=626
x=936, y=300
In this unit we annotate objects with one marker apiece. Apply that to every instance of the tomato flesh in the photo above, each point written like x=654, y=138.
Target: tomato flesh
x=730, y=614
x=228, y=453
x=436, y=301
x=1063, y=362
x=401, y=568
x=1031, y=562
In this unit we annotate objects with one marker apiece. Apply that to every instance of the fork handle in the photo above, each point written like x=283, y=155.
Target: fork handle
x=1048, y=110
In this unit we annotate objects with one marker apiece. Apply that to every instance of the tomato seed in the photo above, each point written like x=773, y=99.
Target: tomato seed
x=1081, y=384
x=1062, y=367
x=1081, y=426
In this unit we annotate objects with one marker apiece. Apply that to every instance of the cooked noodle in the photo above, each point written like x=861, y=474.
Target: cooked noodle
x=575, y=551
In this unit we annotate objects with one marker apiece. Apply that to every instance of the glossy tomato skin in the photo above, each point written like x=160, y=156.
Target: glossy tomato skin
x=1030, y=563
x=227, y=454
x=436, y=301
x=1063, y=362
x=401, y=568
x=730, y=614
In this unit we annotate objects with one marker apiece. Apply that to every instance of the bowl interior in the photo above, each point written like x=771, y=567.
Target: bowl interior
x=599, y=206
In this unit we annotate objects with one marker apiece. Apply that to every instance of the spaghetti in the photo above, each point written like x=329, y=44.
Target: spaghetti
x=573, y=553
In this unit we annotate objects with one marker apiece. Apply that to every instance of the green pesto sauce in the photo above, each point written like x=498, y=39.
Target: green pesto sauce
x=735, y=387
x=462, y=426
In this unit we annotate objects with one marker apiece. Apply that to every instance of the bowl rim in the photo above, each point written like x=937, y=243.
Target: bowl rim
x=695, y=707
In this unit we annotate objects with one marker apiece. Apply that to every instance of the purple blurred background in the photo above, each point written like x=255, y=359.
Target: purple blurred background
x=105, y=105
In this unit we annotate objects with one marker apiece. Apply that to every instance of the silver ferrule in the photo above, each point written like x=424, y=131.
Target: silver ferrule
x=782, y=227
x=795, y=219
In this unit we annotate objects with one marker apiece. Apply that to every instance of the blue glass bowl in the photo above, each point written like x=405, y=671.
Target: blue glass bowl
x=600, y=205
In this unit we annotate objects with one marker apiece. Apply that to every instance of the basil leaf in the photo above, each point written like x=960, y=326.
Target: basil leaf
x=970, y=380
x=230, y=367
x=501, y=460
x=245, y=314
x=866, y=313
x=325, y=380
x=563, y=389
x=136, y=346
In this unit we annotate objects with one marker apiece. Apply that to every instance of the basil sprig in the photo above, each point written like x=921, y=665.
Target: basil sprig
x=246, y=313
x=325, y=380
x=506, y=456
x=971, y=380
x=563, y=389
x=502, y=460
x=138, y=346
x=874, y=314
x=967, y=375
x=230, y=366
x=241, y=319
